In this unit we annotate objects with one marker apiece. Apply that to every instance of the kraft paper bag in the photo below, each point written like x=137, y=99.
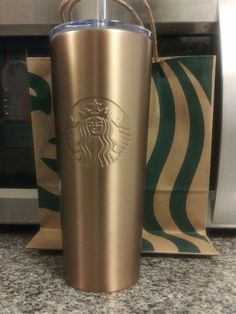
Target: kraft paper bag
x=178, y=157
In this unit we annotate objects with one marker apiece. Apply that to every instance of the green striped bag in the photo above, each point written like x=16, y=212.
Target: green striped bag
x=178, y=157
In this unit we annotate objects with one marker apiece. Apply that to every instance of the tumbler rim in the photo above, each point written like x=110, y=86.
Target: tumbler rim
x=99, y=24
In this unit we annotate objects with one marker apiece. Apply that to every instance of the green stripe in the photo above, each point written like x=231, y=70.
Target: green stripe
x=48, y=200
x=50, y=163
x=41, y=87
x=147, y=246
x=201, y=67
x=158, y=159
x=184, y=179
x=52, y=141
x=163, y=142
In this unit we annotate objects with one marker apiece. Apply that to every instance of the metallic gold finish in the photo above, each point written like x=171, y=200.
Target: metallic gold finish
x=66, y=8
x=101, y=87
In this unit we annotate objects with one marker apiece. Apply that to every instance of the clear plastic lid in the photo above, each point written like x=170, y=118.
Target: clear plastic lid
x=99, y=24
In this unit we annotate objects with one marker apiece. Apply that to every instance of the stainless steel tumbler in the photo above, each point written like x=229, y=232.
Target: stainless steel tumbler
x=101, y=81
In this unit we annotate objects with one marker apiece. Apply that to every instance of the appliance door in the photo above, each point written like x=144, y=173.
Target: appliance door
x=18, y=194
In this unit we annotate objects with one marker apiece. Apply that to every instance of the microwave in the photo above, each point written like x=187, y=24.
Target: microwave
x=185, y=27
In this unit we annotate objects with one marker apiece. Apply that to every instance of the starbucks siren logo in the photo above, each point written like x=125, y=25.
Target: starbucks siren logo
x=97, y=132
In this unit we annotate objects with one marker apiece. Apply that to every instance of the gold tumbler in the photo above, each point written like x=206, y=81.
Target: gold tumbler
x=101, y=80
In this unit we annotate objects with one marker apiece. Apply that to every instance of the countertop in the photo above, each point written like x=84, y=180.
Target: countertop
x=32, y=282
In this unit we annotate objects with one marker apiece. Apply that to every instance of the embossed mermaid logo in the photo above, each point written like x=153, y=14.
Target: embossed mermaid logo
x=98, y=132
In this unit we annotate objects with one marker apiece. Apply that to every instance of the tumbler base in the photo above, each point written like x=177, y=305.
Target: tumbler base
x=110, y=289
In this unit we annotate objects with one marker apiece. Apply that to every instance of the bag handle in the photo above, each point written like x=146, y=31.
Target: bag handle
x=66, y=7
